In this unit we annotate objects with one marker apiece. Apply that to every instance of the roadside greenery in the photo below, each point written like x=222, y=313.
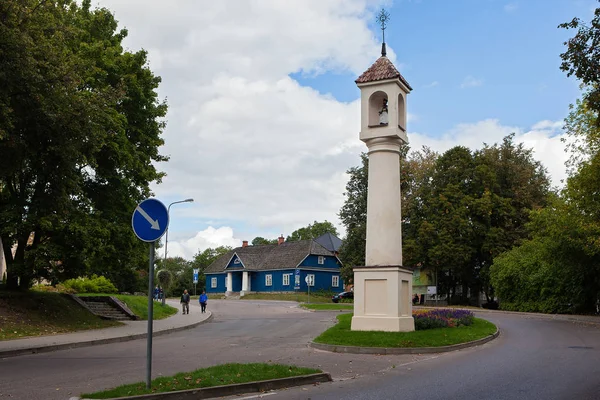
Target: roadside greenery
x=460, y=209
x=79, y=143
x=219, y=375
x=558, y=269
x=93, y=284
x=340, y=334
x=38, y=314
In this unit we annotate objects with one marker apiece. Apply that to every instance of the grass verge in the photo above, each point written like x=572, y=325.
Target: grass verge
x=139, y=305
x=225, y=374
x=340, y=334
x=301, y=296
x=331, y=306
x=32, y=313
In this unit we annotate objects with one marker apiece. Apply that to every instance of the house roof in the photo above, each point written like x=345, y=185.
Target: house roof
x=381, y=70
x=270, y=256
x=329, y=241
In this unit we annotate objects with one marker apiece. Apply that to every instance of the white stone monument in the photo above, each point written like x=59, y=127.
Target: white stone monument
x=383, y=287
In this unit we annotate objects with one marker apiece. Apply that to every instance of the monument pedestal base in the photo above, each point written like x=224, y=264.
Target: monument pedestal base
x=383, y=299
x=385, y=324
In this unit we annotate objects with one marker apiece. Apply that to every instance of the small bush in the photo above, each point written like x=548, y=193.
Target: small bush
x=94, y=284
x=442, y=318
x=60, y=288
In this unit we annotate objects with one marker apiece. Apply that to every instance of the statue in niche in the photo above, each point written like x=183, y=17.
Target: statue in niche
x=383, y=114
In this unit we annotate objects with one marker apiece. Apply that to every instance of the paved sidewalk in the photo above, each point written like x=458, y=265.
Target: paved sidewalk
x=131, y=330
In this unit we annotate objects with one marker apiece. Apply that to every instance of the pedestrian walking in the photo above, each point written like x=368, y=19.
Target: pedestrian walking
x=203, y=300
x=185, y=302
x=156, y=293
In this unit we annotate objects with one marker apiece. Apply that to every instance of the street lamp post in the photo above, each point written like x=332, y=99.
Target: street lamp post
x=167, y=233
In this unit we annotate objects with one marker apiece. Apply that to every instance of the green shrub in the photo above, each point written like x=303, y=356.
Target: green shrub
x=94, y=284
x=59, y=288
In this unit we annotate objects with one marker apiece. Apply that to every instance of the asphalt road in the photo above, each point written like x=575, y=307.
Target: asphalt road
x=533, y=358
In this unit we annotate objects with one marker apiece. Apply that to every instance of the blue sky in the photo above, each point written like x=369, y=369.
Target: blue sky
x=509, y=49
x=264, y=113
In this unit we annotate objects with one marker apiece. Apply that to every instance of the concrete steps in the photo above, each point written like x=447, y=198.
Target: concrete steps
x=106, y=310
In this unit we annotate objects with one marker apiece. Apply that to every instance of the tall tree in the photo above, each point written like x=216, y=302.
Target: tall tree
x=582, y=58
x=259, y=240
x=312, y=231
x=80, y=126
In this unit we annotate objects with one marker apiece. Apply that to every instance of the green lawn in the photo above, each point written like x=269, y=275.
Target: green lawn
x=225, y=374
x=139, y=305
x=340, y=334
x=32, y=313
x=330, y=306
x=317, y=297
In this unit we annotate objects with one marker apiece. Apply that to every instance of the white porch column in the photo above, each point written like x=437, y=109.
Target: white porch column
x=229, y=283
x=245, y=283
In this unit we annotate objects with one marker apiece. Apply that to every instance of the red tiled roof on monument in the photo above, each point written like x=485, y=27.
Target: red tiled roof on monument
x=381, y=70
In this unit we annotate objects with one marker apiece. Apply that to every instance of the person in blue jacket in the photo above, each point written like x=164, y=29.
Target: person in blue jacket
x=203, y=300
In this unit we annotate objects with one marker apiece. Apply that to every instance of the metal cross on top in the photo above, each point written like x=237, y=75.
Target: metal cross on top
x=382, y=18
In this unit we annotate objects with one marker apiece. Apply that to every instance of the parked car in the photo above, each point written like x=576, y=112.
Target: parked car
x=341, y=296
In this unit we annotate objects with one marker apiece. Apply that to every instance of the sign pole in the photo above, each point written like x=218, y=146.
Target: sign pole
x=150, y=317
x=149, y=221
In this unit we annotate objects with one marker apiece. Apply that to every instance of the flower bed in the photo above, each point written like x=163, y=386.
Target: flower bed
x=442, y=318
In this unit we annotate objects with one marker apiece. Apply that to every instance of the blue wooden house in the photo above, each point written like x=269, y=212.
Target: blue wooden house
x=282, y=267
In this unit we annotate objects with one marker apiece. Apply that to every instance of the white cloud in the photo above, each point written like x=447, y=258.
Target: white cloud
x=210, y=237
x=432, y=84
x=260, y=154
x=470, y=81
x=543, y=137
x=510, y=7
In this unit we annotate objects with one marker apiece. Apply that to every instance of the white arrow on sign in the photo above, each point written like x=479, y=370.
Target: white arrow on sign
x=153, y=223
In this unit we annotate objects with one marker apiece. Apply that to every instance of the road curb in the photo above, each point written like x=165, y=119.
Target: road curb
x=231, y=390
x=404, y=350
x=95, y=342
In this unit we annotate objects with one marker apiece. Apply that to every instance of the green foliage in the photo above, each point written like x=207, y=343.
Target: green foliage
x=557, y=271
x=93, y=284
x=79, y=139
x=59, y=288
x=164, y=278
x=258, y=241
x=459, y=210
x=582, y=58
x=353, y=215
x=226, y=374
x=312, y=231
x=34, y=313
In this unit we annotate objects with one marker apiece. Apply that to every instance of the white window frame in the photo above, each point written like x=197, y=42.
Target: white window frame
x=268, y=280
x=213, y=282
x=335, y=281
x=321, y=260
x=311, y=279
x=286, y=279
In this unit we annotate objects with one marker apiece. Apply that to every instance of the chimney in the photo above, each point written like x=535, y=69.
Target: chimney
x=280, y=239
x=245, y=243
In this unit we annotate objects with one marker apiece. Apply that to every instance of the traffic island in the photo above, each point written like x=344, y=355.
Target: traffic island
x=217, y=381
x=341, y=339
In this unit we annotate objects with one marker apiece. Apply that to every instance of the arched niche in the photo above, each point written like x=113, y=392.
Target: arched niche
x=401, y=112
x=376, y=102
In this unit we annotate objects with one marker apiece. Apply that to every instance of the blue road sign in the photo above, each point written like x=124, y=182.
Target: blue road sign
x=196, y=275
x=150, y=220
x=297, y=280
